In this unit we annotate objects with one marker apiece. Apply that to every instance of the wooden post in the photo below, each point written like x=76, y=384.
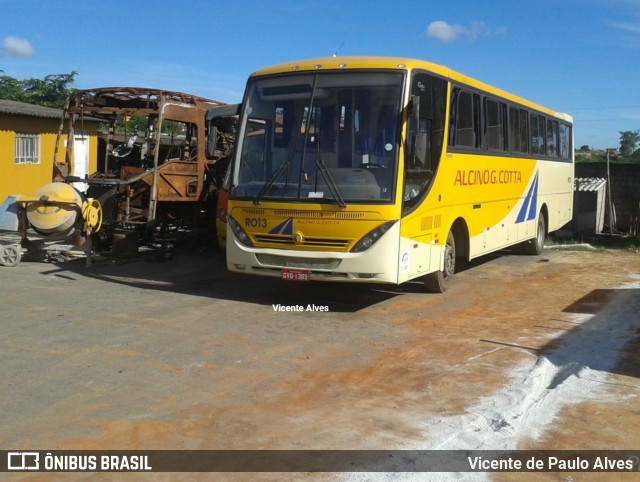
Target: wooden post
x=612, y=216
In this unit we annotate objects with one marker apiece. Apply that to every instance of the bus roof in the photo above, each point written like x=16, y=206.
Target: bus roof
x=400, y=64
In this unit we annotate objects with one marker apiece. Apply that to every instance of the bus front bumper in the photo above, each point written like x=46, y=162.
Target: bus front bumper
x=377, y=264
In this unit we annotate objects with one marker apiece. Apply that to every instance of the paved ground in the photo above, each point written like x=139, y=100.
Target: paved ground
x=522, y=352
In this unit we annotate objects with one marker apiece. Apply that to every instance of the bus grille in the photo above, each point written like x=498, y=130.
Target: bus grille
x=292, y=213
x=253, y=211
x=300, y=263
x=335, y=243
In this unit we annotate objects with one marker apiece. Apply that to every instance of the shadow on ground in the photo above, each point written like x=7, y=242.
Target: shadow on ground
x=205, y=274
x=202, y=272
x=607, y=341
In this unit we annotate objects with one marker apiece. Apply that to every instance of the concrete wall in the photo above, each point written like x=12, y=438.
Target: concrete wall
x=625, y=189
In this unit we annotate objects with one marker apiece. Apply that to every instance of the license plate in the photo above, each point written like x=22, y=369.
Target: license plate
x=294, y=275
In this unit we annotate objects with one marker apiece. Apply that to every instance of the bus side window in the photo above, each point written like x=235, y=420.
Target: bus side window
x=565, y=141
x=518, y=130
x=524, y=131
x=495, y=124
x=538, y=123
x=465, y=119
x=552, y=138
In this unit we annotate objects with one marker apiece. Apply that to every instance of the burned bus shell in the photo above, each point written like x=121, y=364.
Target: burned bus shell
x=154, y=168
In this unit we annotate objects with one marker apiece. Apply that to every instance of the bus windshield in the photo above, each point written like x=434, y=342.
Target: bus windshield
x=321, y=137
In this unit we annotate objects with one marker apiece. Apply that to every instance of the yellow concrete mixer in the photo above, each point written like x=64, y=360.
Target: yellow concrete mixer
x=57, y=207
x=55, y=211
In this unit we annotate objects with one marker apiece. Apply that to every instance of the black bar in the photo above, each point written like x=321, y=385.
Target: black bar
x=319, y=461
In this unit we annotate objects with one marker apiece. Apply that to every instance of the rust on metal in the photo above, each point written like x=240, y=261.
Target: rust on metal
x=152, y=158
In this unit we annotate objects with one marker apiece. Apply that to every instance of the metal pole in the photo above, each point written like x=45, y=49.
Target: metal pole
x=611, y=214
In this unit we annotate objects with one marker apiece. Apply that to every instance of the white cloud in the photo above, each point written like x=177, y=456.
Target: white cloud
x=445, y=32
x=16, y=47
x=625, y=26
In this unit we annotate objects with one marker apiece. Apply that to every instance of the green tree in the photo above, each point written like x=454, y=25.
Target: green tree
x=10, y=88
x=52, y=91
x=628, y=142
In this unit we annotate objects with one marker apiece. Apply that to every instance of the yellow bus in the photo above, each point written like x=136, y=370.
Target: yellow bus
x=368, y=169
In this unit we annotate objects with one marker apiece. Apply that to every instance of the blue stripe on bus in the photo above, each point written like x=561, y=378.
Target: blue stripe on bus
x=285, y=227
x=533, y=207
x=529, y=208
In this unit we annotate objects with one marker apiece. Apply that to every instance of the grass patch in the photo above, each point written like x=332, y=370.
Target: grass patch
x=596, y=243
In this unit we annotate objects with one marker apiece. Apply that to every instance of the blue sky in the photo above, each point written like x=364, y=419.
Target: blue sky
x=577, y=56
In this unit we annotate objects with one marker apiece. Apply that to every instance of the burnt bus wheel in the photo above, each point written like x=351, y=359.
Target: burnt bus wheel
x=440, y=281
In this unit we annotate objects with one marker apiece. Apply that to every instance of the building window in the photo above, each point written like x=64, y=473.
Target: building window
x=27, y=149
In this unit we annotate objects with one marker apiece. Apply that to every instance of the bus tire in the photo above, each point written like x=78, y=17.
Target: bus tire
x=440, y=281
x=534, y=246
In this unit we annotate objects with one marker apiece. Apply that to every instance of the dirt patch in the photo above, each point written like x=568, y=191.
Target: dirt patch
x=185, y=356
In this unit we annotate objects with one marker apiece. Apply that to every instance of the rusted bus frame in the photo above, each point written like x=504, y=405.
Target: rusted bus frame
x=139, y=96
x=106, y=104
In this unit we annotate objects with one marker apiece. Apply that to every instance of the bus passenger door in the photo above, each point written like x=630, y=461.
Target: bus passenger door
x=425, y=140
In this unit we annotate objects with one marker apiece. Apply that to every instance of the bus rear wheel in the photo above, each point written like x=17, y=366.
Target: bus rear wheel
x=440, y=281
x=534, y=246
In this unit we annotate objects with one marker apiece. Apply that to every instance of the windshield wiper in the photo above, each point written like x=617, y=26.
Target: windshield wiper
x=328, y=178
x=274, y=177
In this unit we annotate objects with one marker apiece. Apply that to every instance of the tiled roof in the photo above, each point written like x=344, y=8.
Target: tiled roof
x=13, y=107
x=590, y=183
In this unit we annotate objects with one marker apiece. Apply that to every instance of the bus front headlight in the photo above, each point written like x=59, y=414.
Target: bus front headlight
x=239, y=233
x=372, y=237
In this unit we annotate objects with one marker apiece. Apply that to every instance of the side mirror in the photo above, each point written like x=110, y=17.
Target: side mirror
x=414, y=122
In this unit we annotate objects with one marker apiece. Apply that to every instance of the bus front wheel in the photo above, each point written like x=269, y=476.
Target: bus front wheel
x=440, y=281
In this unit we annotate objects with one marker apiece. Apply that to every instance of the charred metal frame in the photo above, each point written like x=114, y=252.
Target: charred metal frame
x=164, y=176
